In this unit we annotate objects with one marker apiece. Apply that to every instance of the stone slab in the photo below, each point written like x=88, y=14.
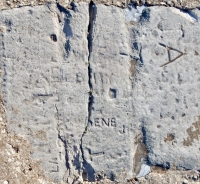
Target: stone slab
x=167, y=86
x=109, y=142
x=44, y=57
x=91, y=98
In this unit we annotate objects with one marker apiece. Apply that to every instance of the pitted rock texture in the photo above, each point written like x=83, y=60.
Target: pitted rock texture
x=16, y=164
x=44, y=58
x=109, y=141
x=167, y=87
x=96, y=96
x=139, y=84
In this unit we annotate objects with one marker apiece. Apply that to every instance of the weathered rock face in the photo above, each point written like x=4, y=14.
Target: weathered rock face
x=44, y=57
x=109, y=143
x=16, y=164
x=96, y=95
x=167, y=87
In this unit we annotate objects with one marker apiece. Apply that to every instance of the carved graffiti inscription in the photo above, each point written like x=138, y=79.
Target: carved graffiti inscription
x=107, y=122
x=169, y=55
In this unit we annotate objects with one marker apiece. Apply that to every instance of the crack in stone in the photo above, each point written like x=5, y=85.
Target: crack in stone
x=62, y=140
x=140, y=56
x=144, y=144
x=92, y=17
x=88, y=171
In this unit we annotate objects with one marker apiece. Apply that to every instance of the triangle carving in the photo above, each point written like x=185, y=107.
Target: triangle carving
x=169, y=54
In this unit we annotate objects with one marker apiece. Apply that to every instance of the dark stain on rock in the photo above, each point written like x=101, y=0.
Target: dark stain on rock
x=169, y=138
x=132, y=67
x=192, y=134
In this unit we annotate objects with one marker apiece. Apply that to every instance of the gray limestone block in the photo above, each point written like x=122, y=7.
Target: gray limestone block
x=102, y=95
x=144, y=78
x=44, y=56
x=167, y=86
x=108, y=144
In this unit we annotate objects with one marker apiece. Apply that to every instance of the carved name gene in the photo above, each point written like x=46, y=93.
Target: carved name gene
x=109, y=122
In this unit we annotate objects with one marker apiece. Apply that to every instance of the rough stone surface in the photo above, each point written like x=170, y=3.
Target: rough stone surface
x=96, y=97
x=109, y=142
x=185, y=4
x=167, y=87
x=16, y=164
x=45, y=83
x=146, y=98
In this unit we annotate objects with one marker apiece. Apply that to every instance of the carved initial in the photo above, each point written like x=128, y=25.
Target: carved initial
x=169, y=55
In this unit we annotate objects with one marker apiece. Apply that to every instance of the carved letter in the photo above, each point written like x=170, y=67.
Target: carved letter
x=104, y=122
x=96, y=122
x=113, y=122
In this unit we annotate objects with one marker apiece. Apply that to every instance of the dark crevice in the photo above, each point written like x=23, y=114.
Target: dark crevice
x=62, y=9
x=140, y=56
x=146, y=160
x=88, y=171
x=92, y=19
x=183, y=32
x=62, y=140
x=66, y=28
x=145, y=143
x=73, y=6
x=144, y=135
